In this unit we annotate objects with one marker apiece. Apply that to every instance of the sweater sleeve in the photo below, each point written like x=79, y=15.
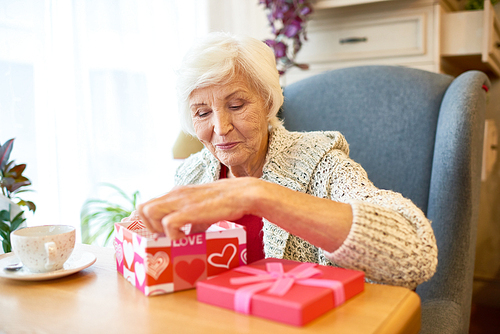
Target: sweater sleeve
x=391, y=240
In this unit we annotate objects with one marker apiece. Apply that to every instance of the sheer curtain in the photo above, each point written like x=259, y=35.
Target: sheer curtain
x=87, y=90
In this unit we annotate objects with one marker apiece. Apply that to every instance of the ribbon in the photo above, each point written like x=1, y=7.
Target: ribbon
x=278, y=283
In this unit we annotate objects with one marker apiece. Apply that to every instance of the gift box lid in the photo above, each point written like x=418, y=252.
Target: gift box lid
x=299, y=305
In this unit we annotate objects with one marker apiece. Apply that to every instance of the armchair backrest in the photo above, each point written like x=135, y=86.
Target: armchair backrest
x=418, y=133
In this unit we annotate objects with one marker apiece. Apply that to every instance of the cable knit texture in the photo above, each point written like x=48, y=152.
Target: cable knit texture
x=391, y=240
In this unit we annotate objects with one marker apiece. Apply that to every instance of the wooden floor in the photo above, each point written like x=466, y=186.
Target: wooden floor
x=484, y=320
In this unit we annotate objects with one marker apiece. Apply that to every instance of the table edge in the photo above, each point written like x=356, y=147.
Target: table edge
x=406, y=317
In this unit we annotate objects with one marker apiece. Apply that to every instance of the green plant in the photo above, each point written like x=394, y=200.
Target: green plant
x=477, y=4
x=97, y=216
x=7, y=227
x=12, y=179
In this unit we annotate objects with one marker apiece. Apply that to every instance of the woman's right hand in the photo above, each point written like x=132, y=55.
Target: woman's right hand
x=199, y=206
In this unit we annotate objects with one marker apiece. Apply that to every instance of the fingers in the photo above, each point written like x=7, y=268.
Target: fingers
x=147, y=214
x=197, y=221
x=200, y=206
x=133, y=217
x=177, y=224
x=198, y=228
x=157, y=212
x=172, y=231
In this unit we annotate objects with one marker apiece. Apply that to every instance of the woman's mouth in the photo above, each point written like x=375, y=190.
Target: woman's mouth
x=226, y=146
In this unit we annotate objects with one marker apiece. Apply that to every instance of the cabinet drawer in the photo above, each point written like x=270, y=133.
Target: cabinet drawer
x=319, y=4
x=471, y=39
x=338, y=39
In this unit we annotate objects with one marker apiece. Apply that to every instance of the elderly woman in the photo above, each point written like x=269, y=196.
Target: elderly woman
x=301, y=191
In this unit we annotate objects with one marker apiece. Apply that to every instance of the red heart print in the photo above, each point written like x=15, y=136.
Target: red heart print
x=156, y=264
x=118, y=252
x=190, y=272
x=223, y=259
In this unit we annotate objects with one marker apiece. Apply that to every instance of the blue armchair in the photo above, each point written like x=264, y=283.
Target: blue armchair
x=420, y=134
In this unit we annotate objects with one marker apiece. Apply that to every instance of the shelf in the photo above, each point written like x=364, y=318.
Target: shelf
x=471, y=39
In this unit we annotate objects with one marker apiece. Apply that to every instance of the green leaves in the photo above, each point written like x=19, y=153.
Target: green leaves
x=7, y=227
x=11, y=176
x=477, y=4
x=98, y=216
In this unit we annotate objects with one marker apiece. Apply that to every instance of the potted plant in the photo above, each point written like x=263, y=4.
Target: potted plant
x=12, y=183
x=287, y=19
x=9, y=225
x=98, y=216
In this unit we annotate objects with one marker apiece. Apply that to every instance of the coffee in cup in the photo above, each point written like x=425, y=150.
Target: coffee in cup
x=43, y=248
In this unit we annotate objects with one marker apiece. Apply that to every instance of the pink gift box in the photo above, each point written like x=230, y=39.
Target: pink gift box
x=287, y=291
x=155, y=264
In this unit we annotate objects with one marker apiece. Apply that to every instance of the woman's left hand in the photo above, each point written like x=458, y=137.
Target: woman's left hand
x=198, y=205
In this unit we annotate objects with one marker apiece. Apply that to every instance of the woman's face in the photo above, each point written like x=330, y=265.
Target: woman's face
x=231, y=121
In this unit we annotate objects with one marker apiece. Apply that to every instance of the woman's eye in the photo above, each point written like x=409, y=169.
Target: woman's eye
x=202, y=113
x=236, y=106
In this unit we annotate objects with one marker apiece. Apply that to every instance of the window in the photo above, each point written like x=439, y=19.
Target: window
x=87, y=89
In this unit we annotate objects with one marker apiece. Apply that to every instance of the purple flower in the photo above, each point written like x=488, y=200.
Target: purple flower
x=270, y=42
x=292, y=29
x=306, y=10
x=291, y=16
x=280, y=49
x=279, y=12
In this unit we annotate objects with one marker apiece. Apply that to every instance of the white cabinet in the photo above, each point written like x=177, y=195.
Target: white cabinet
x=344, y=33
x=404, y=34
x=382, y=33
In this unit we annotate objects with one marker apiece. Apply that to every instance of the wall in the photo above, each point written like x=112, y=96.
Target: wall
x=239, y=17
x=487, y=267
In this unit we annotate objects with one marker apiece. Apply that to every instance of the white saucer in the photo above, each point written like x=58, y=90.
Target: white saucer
x=77, y=261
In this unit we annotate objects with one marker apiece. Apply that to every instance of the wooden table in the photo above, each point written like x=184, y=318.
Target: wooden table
x=99, y=300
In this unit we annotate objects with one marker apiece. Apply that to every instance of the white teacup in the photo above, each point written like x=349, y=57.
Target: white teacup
x=43, y=248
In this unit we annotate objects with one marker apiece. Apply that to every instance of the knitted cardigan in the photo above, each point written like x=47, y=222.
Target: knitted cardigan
x=391, y=240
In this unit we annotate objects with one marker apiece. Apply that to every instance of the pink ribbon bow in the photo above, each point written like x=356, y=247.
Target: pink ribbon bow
x=278, y=283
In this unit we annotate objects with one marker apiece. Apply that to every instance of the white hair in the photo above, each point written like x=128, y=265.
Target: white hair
x=217, y=59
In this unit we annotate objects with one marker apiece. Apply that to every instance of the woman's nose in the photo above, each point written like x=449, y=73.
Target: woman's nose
x=223, y=123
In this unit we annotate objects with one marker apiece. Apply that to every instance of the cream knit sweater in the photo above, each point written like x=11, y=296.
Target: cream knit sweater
x=391, y=240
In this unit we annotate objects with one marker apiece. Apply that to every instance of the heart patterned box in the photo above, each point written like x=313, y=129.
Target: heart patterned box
x=155, y=264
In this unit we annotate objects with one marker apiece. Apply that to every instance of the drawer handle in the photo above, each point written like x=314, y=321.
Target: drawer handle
x=352, y=40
